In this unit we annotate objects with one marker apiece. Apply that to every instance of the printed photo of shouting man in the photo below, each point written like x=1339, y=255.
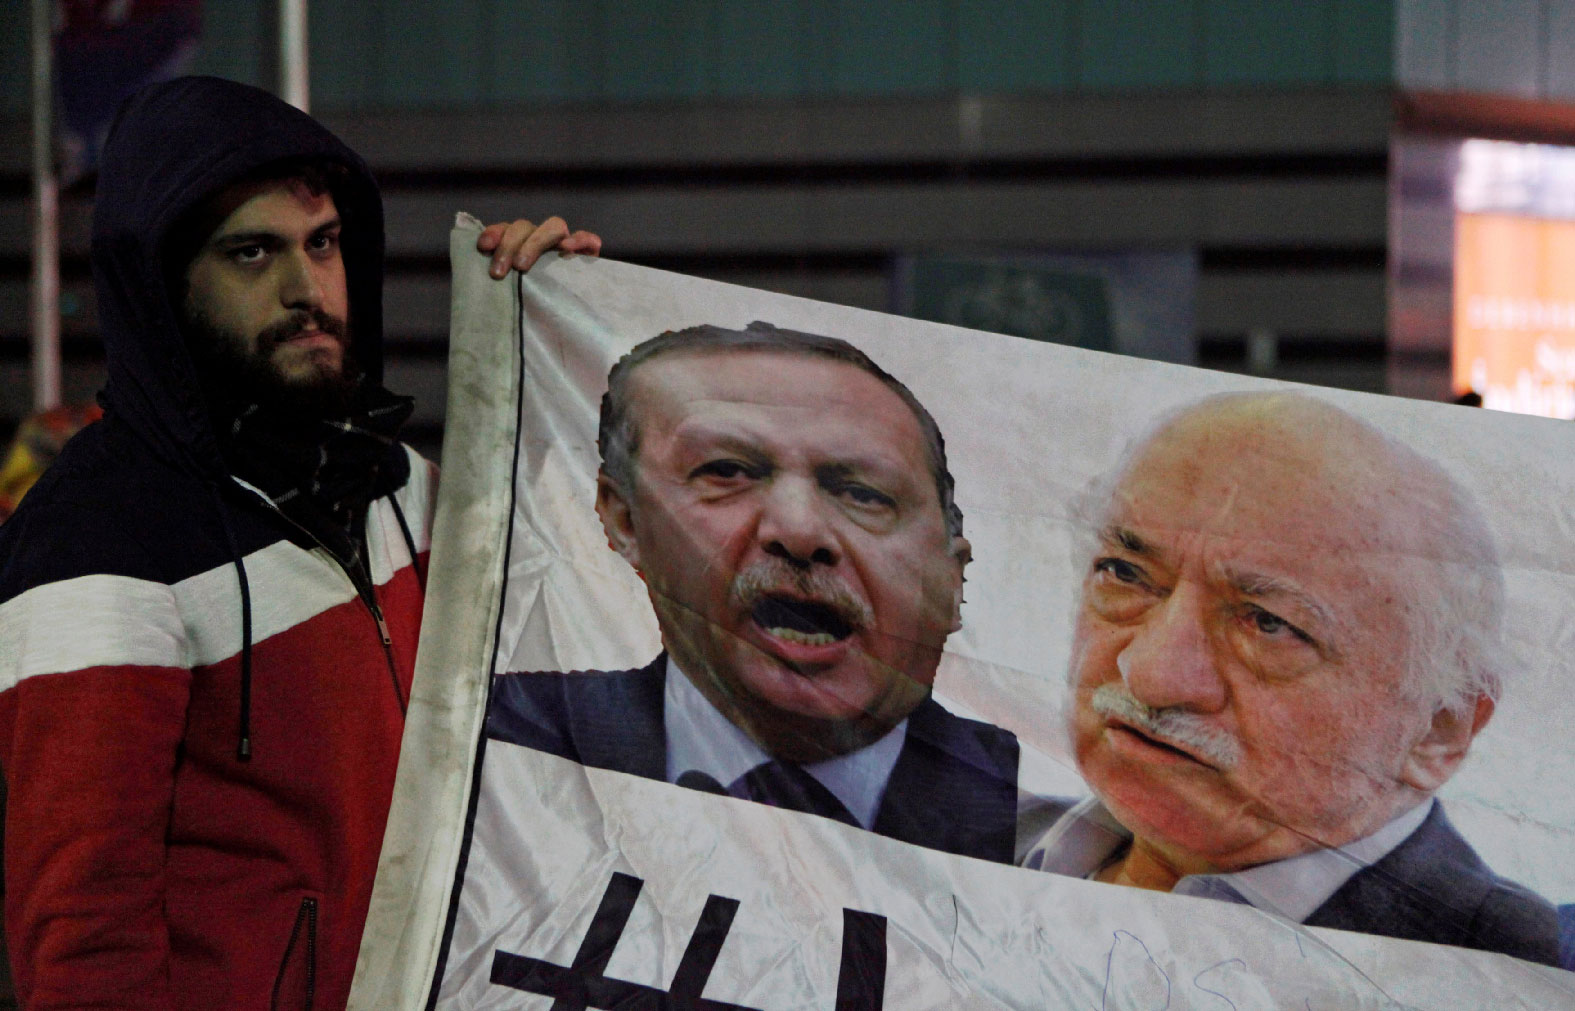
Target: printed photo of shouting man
x=787, y=504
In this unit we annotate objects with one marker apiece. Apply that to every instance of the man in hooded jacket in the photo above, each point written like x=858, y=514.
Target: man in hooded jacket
x=209, y=605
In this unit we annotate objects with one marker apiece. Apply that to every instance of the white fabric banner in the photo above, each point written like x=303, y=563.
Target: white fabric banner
x=1260, y=695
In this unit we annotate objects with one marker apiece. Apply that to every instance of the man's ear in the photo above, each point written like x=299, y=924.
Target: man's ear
x=962, y=554
x=617, y=520
x=1434, y=758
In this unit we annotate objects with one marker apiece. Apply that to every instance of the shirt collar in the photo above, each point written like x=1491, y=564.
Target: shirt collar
x=1088, y=837
x=701, y=739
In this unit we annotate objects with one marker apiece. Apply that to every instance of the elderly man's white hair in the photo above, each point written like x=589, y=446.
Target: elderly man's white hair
x=1455, y=624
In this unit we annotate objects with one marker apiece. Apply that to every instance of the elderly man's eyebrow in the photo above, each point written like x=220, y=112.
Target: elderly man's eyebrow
x=703, y=432
x=1118, y=536
x=860, y=468
x=1261, y=586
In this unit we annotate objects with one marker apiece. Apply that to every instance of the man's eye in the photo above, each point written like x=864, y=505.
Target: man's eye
x=864, y=495
x=324, y=242
x=725, y=470
x=1269, y=623
x=247, y=254
x=1117, y=590
x=1120, y=569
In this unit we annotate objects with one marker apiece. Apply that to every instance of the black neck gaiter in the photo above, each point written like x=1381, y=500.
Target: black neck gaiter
x=323, y=473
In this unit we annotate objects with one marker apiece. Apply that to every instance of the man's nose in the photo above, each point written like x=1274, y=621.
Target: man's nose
x=300, y=286
x=1171, y=660
x=794, y=524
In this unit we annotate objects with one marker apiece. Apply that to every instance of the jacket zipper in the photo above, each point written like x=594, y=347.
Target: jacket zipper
x=311, y=952
x=388, y=652
x=307, y=916
x=368, y=598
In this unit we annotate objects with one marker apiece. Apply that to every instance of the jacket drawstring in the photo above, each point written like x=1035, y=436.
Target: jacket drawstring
x=410, y=543
x=243, y=744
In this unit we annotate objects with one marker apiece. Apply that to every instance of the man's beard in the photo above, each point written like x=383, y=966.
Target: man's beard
x=235, y=376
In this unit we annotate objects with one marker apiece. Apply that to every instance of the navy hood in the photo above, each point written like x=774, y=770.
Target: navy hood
x=172, y=146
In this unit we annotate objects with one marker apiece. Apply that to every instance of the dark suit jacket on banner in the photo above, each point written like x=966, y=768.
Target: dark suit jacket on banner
x=954, y=787
x=1433, y=887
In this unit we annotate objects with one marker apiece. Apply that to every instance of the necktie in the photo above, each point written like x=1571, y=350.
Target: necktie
x=785, y=785
x=694, y=779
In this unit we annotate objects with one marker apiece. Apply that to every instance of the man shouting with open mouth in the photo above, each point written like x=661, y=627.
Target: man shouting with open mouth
x=788, y=506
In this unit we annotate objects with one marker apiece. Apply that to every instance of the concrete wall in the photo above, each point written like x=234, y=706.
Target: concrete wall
x=800, y=145
x=1519, y=48
x=398, y=54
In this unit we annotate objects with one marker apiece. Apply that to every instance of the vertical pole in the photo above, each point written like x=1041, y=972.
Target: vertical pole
x=44, y=290
x=294, y=76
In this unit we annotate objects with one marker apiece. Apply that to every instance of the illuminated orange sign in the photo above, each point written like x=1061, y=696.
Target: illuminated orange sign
x=1515, y=312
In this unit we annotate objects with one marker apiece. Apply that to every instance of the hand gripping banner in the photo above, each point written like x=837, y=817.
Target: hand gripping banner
x=779, y=655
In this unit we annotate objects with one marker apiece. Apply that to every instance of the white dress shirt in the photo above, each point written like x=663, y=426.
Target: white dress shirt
x=701, y=739
x=1087, y=839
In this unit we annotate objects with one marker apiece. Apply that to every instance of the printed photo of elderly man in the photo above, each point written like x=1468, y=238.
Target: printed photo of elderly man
x=1287, y=640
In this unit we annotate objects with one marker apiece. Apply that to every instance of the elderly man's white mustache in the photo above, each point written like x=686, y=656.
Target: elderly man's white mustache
x=1171, y=725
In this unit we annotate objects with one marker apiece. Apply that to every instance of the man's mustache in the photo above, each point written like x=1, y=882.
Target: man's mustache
x=772, y=577
x=272, y=336
x=1172, y=725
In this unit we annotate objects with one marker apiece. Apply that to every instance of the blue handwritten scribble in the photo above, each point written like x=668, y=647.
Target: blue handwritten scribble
x=1133, y=979
x=1197, y=981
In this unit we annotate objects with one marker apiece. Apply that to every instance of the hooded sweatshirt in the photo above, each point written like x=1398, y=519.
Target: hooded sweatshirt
x=200, y=709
